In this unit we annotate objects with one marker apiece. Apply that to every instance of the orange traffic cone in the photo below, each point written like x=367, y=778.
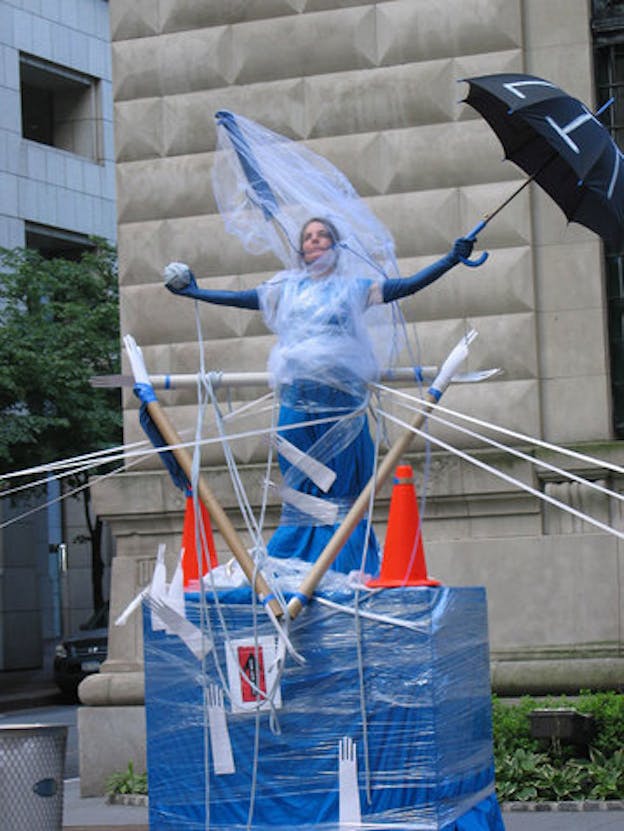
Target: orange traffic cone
x=403, y=561
x=190, y=564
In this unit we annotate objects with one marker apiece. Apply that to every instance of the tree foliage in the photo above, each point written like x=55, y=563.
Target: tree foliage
x=59, y=325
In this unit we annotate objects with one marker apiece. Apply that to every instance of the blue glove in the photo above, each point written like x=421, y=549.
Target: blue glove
x=462, y=249
x=179, y=279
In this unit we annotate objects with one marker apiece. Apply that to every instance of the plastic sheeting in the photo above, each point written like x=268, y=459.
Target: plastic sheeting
x=420, y=722
x=267, y=188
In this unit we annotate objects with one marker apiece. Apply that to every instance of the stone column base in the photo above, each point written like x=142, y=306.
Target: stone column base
x=109, y=738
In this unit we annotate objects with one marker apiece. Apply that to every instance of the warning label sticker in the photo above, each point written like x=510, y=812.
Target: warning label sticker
x=253, y=673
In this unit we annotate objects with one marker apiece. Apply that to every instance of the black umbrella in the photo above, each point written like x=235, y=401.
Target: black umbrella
x=560, y=144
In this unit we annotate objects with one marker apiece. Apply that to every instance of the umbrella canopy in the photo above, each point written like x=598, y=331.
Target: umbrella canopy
x=559, y=143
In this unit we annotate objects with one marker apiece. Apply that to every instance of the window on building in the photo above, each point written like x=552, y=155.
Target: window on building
x=608, y=32
x=60, y=107
x=56, y=243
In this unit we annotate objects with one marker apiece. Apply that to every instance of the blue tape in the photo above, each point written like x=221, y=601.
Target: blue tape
x=434, y=393
x=167, y=382
x=145, y=393
x=302, y=598
x=266, y=600
x=418, y=374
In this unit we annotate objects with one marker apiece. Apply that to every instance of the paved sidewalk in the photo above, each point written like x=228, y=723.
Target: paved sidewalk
x=95, y=814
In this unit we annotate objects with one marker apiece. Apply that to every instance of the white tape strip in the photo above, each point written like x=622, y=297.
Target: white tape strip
x=220, y=744
x=322, y=476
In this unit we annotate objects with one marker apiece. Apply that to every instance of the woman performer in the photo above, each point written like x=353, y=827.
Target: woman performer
x=322, y=363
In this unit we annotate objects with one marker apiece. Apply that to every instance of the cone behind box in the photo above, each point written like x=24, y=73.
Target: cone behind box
x=403, y=562
x=190, y=563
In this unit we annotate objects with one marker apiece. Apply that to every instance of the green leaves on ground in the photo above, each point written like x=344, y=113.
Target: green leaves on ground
x=529, y=770
x=127, y=782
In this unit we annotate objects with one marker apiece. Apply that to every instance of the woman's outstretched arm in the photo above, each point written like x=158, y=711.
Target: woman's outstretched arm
x=400, y=287
x=179, y=279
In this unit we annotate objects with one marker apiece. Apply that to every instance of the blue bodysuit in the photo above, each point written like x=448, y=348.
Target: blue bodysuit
x=322, y=362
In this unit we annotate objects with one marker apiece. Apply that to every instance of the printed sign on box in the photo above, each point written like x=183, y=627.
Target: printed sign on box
x=253, y=673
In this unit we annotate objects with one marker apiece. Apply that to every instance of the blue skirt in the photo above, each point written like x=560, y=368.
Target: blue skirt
x=298, y=534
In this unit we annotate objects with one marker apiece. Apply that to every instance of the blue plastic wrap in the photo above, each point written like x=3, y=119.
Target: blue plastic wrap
x=420, y=720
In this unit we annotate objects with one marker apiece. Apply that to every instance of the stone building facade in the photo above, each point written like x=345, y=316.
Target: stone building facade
x=376, y=88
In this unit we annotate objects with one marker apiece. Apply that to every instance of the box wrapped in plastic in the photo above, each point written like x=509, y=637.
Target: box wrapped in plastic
x=386, y=725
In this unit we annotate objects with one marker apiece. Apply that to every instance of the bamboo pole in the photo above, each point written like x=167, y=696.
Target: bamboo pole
x=217, y=514
x=184, y=459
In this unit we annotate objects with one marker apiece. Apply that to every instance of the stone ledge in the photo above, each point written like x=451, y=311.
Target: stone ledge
x=576, y=805
x=141, y=800
x=135, y=800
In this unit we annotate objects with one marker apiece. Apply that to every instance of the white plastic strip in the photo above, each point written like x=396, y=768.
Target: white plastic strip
x=322, y=476
x=323, y=510
x=158, y=587
x=130, y=608
x=532, y=460
x=220, y=744
x=510, y=479
x=564, y=451
x=198, y=643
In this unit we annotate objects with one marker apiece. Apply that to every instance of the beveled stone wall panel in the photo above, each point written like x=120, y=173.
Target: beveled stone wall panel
x=411, y=31
x=338, y=40
x=572, y=342
x=331, y=105
x=138, y=19
x=170, y=64
x=170, y=187
x=572, y=408
x=139, y=129
x=503, y=286
x=558, y=36
x=437, y=156
x=568, y=276
x=506, y=342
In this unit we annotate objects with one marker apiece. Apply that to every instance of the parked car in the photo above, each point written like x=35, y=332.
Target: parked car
x=81, y=653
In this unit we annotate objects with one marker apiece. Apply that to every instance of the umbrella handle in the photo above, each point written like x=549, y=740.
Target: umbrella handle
x=472, y=235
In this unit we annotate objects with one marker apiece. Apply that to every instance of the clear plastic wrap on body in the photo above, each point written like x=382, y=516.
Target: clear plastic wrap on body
x=322, y=336
x=267, y=187
x=389, y=719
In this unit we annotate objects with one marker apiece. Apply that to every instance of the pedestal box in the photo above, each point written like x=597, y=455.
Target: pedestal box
x=400, y=675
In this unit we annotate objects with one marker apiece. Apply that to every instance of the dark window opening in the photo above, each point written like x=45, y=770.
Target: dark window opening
x=60, y=107
x=56, y=243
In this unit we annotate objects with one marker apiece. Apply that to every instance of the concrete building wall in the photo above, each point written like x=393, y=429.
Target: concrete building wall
x=72, y=191
x=373, y=86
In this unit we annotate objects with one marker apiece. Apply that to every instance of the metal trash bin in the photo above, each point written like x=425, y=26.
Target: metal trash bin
x=32, y=761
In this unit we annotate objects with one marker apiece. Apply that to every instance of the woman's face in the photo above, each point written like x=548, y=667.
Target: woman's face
x=316, y=240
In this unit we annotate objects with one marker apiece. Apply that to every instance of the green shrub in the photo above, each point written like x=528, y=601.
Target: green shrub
x=531, y=770
x=126, y=782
